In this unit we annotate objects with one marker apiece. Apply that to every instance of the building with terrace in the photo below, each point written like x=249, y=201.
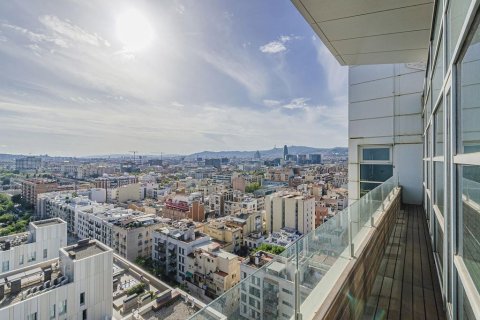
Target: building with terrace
x=77, y=284
x=39, y=244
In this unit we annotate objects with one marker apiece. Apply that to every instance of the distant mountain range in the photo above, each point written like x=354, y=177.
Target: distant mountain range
x=272, y=153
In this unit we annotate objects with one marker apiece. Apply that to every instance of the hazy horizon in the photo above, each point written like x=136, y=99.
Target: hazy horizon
x=166, y=154
x=83, y=77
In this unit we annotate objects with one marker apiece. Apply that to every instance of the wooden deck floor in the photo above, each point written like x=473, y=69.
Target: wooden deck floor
x=406, y=286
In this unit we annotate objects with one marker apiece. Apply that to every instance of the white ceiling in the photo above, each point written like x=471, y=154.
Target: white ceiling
x=371, y=31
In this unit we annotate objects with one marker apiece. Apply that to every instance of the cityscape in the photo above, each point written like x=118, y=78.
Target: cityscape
x=234, y=160
x=194, y=225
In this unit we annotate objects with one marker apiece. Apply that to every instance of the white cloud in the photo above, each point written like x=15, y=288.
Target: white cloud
x=36, y=37
x=71, y=31
x=177, y=104
x=297, y=103
x=240, y=68
x=271, y=102
x=277, y=46
x=180, y=8
x=337, y=76
x=273, y=47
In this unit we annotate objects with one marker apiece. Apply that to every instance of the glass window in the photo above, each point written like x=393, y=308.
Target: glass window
x=82, y=298
x=375, y=168
x=465, y=310
x=437, y=79
x=52, y=311
x=5, y=266
x=375, y=172
x=439, y=185
x=32, y=316
x=457, y=12
x=63, y=307
x=436, y=28
x=376, y=154
x=45, y=253
x=469, y=69
x=439, y=130
x=469, y=193
x=439, y=244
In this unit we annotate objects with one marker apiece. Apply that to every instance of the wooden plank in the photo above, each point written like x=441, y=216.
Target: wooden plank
x=433, y=271
x=406, y=311
x=427, y=276
x=418, y=301
x=406, y=285
x=396, y=297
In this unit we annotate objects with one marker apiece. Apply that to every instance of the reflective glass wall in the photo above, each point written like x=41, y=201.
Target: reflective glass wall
x=452, y=153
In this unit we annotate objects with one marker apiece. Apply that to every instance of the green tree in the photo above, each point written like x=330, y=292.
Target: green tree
x=270, y=248
x=17, y=198
x=252, y=187
x=6, y=204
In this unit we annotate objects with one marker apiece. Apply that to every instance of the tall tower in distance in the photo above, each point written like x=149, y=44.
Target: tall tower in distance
x=285, y=152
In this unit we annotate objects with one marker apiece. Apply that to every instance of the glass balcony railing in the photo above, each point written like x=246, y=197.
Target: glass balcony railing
x=297, y=281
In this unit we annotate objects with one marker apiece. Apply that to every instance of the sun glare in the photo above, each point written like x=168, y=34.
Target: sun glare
x=134, y=30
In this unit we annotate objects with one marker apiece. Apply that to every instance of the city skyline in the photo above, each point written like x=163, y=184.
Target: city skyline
x=80, y=79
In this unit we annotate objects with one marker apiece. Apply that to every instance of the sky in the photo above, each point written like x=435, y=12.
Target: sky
x=84, y=77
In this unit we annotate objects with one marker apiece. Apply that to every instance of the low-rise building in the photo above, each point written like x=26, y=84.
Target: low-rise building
x=172, y=243
x=212, y=269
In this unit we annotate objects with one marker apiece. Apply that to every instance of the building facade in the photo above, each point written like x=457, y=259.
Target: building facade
x=39, y=244
x=290, y=210
x=78, y=285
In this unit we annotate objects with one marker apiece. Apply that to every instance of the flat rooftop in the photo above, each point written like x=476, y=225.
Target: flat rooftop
x=84, y=249
x=46, y=223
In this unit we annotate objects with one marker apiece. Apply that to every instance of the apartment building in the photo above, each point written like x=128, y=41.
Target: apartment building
x=28, y=163
x=62, y=205
x=269, y=295
x=126, y=231
x=107, y=182
x=212, y=269
x=31, y=188
x=39, y=244
x=77, y=284
x=290, y=209
x=230, y=236
x=172, y=244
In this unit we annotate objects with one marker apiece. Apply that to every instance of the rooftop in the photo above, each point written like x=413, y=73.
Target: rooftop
x=84, y=249
x=28, y=282
x=49, y=222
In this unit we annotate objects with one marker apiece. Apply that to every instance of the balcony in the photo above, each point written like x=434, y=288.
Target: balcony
x=354, y=252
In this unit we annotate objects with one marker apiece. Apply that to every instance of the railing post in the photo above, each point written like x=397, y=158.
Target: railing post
x=350, y=235
x=383, y=198
x=298, y=314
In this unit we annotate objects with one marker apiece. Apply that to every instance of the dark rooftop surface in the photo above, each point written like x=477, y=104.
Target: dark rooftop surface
x=85, y=249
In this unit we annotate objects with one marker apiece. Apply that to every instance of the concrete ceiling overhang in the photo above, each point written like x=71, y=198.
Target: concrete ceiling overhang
x=371, y=31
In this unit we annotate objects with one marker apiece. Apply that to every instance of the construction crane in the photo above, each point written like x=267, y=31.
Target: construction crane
x=134, y=153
